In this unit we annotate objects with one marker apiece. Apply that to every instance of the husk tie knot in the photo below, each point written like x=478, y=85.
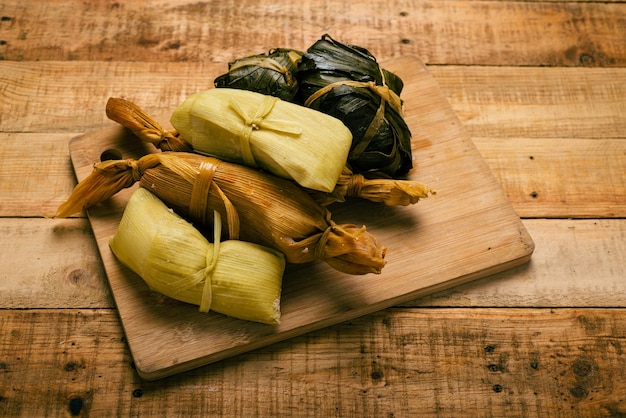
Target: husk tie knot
x=320, y=248
x=260, y=121
x=355, y=184
x=134, y=169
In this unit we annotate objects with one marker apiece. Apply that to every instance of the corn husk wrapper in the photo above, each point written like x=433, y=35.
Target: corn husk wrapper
x=273, y=74
x=258, y=207
x=346, y=82
x=390, y=191
x=235, y=278
x=376, y=187
x=257, y=130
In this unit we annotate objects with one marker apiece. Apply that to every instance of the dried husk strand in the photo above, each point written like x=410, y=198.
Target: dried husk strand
x=131, y=116
x=272, y=211
x=391, y=191
x=235, y=278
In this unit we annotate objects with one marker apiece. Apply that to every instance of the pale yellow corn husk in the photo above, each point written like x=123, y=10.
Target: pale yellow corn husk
x=250, y=128
x=235, y=278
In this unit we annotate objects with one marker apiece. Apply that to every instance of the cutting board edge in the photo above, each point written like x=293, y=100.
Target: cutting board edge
x=157, y=373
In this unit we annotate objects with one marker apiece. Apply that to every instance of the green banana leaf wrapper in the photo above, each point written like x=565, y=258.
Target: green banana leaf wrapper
x=272, y=74
x=346, y=82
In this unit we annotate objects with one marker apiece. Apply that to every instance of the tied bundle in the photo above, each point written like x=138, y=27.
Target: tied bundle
x=346, y=82
x=272, y=74
x=235, y=278
x=257, y=206
x=376, y=187
x=257, y=130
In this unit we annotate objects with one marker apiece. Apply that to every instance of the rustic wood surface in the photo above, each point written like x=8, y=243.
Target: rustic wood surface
x=541, y=89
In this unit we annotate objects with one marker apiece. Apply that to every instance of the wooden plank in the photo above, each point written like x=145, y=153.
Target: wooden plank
x=468, y=230
x=560, y=177
x=50, y=263
x=441, y=32
x=492, y=102
x=515, y=102
x=36, y=173
x=71, y=96
x=484, y=362
x=575, y=263
x=540, y=176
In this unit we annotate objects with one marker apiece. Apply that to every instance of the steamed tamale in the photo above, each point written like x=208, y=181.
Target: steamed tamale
x=263, y=131
x=346, y=82
x=377, y=187
x=235, y=278
x=257, y=206
x=272, y=74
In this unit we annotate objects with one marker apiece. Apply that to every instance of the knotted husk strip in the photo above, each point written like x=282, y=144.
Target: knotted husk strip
x=377, y=189
x=392, y=192
x=144, y=126
x=235, y=278
x=272, y=211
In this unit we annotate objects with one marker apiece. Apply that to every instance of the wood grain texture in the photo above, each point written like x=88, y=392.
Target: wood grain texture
x=537, y=102
x=492, y=102
x=469, y=218
x=36, y=173
x=560, y=177
x=519, y=76
x=575, y=263
x=396, y=362
x=50, y=263
x=440, y=32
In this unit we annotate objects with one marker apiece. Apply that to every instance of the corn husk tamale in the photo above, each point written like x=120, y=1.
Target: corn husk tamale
x=235, y=278
x=272, y=74
x=257, y=206
x=391, y=192
x=376, y=187
x=346, y=82
x=257, y=130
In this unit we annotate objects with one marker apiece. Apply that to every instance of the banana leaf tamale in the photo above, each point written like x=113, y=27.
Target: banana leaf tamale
x=376, y=187
x=258, y=130
x=273, y=74
x=235, y=278
x=257, y=206
x=347, y=82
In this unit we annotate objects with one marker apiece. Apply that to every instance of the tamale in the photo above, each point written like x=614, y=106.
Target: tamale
x=257, y=130
x=272, y=74
x=235, y=278
x=257, y=206
x=346, y=82
x=377, y=187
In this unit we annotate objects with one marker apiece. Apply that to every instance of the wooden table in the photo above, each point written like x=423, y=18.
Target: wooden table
x=539, y=86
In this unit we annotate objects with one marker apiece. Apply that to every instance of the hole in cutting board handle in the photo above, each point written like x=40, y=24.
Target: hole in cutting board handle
x=110, y=154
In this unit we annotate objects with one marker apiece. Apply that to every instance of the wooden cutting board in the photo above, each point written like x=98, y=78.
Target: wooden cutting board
x=466, y=231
